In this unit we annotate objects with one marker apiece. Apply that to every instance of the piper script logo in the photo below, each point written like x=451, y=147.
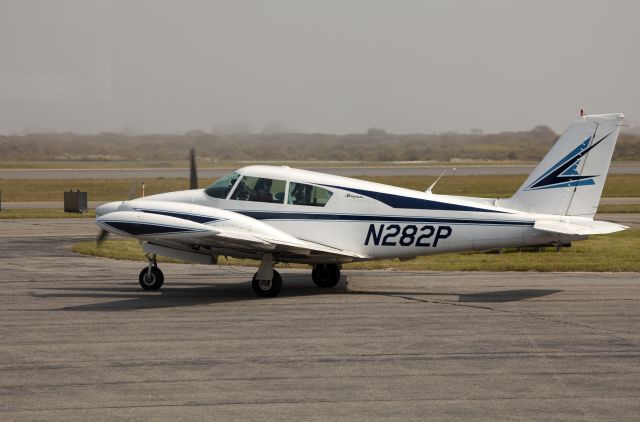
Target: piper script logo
x=565, y=172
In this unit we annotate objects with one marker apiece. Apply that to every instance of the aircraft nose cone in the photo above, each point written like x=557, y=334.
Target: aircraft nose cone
x=105, y=209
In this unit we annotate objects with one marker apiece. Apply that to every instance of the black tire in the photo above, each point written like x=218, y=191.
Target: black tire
x=151, y=281
x=265, y=288
x=326, y=275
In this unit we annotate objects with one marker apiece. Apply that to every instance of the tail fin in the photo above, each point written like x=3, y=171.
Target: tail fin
x=570, y=178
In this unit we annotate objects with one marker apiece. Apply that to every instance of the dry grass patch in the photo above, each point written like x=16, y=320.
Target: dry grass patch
x=32, y=213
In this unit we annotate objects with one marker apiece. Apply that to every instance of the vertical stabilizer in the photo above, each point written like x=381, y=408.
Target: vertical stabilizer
x=570, y=178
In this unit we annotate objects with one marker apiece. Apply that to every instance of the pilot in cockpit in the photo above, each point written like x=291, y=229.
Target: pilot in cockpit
x=262, y=191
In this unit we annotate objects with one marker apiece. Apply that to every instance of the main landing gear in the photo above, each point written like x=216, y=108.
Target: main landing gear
x=151, y=278
x=325, y=275
x=267, y=282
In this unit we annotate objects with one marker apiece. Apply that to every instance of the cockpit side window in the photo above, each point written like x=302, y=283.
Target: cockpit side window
x=260, y=189
x=314, y=196
x=220, y=188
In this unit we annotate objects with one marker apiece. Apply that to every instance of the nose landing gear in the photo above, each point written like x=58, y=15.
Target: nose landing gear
x=151, y=278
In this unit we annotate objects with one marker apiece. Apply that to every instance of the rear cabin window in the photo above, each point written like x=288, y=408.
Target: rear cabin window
x=313, y=196
x=260, y=189
x=221, y=187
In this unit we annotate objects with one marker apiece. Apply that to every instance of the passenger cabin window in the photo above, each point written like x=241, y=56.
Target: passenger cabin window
x=260, y=189
x=221, y=187
x=314, y=196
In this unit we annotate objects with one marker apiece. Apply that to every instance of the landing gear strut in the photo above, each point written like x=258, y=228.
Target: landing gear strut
x=325, y=275
x=267, y=282
x=151, y=278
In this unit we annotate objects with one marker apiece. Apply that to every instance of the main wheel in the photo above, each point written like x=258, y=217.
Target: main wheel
x=325, y=275
x=267, y=288
x=151, y=281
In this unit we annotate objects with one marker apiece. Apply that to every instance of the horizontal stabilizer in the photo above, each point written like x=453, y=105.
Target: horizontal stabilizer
x=590, y=227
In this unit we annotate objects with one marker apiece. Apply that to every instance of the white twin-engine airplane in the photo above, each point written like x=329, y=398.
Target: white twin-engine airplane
x=280, y=214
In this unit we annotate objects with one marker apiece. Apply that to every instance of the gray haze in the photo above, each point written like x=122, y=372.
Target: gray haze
x=314, y=66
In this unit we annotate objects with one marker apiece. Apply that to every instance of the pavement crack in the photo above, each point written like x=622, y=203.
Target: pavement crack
x=438, y=302
x=525, y=314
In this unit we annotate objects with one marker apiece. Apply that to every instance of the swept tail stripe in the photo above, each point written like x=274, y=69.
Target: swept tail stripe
x=566, y=158
x=557, y=177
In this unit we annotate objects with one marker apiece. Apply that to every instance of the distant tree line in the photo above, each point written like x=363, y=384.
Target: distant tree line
x=374, y=145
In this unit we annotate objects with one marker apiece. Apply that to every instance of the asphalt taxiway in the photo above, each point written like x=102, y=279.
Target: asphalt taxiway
x=80, y=341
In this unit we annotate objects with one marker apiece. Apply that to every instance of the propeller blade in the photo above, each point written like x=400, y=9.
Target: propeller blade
x=102, y=236
x=193, y=173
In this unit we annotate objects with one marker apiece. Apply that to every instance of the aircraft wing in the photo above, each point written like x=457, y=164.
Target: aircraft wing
x=220, y=231
x=285, y=244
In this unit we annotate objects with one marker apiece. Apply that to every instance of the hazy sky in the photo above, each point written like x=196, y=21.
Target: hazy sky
x=318, y=66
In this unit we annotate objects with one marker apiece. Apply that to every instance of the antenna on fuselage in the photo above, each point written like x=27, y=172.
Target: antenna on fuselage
x=430, y=188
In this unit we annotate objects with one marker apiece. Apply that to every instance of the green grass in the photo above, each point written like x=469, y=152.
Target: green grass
x=26, y=190
x=619, y=208
x=614, y=252
x=42, y=213
x=17, y=190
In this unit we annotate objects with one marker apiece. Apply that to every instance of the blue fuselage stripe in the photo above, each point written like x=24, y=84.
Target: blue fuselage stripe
x=411, y=203
x=290, y=216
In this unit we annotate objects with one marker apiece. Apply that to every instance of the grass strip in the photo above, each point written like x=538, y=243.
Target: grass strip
x=618, y=209
x=33, y=213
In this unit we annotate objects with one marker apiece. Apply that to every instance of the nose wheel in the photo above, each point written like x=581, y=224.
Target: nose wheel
x=151, y=278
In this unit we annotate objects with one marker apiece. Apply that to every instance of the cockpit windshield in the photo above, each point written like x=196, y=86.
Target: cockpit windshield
x=221, y=187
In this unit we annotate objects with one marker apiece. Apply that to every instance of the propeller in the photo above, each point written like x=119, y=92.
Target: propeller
x=193, y=171
x=102, y=236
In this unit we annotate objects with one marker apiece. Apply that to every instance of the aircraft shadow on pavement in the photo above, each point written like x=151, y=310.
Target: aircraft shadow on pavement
x=129, y=296
x=481, y=297
x=506, y=295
